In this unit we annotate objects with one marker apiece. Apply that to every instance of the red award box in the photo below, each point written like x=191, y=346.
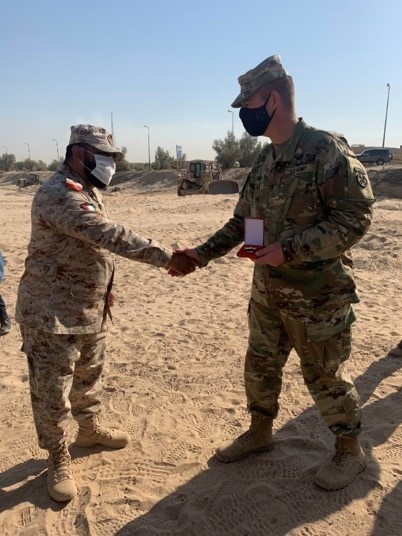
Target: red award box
x=253, y=237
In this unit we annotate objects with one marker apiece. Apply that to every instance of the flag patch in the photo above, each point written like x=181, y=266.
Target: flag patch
x=88, y=206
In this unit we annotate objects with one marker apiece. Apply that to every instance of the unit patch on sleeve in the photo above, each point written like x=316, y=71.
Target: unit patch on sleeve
x=362, y=180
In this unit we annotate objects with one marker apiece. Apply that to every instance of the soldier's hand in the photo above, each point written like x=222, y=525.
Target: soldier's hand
x=191, y=252
x=181, y=264
x=271, y=255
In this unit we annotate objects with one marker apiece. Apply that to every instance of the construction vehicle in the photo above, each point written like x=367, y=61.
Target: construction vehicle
x=29, y=180
x=203, y=177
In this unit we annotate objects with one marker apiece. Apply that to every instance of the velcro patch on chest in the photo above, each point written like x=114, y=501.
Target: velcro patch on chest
x=88, y=206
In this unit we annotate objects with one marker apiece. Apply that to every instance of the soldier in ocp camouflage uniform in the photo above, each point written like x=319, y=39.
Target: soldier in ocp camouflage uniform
x=65, y=295
x=316, y=202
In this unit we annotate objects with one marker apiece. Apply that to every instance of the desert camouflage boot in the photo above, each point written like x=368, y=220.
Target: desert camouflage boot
x=348, y=461
x=91, y=433
x=258, y=438
x=60, y=482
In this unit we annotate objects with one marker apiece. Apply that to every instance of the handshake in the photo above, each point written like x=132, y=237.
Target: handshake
x=183, y=262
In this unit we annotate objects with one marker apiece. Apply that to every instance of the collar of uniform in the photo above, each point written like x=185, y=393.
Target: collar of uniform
x=289, y=150
x=70, y=174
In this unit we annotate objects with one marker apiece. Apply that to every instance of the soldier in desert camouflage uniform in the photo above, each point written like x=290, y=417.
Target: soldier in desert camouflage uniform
x=316, y=202
x=64, y=298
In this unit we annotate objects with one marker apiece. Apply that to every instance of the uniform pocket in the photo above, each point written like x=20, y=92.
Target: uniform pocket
x=324, y=329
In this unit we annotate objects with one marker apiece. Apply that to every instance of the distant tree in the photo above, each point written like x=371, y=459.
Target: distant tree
x=163, y=160
x=39, y=165
x=139, y=166
x=124, y=164
x=30, y=165
x=228, y=151
x=20, y=165
x=7, y=162
x=54, y=164
x=250, y=147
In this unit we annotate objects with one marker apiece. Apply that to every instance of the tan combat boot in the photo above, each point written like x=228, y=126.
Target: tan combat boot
x=397, y=351
x=348, y=461
x=91, y=433
x=60, y=482
x=258, y=438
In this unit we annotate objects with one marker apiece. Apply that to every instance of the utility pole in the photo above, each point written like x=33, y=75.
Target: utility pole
x=112, y=128
x=386, y=115
x=29, y=150
x=57, y=149
x=149, y=150
x=232, y=112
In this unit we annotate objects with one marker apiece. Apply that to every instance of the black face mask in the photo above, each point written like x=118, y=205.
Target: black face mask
x=256, y=120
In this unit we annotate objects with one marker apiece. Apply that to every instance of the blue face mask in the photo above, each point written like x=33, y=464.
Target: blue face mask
x=256, y=120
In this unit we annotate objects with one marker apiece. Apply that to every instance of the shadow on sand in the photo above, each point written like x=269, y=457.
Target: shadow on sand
x=273, y=494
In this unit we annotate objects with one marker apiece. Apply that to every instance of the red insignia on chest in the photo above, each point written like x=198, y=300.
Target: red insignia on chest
x=73, y=185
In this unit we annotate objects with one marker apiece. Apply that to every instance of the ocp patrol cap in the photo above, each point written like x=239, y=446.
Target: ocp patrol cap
x=267, y=71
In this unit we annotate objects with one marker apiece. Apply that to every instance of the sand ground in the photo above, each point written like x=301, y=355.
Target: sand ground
x=173, y=379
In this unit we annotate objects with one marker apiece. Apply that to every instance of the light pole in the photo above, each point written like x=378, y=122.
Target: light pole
x=386, y=115
x=29, y=150
x=57, y=149
x=5, y=146
x=149, y=150
x=232, y=112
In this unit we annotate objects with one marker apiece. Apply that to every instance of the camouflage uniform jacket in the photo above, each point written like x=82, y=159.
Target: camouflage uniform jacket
x=70, y=263
x=316, y=200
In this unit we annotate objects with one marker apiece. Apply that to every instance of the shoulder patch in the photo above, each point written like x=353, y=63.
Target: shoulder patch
x=88, y=206
x=73, y=185
x=362, y=179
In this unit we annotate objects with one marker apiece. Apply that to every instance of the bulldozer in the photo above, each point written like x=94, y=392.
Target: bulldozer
x=203, y=177
x=29, y=180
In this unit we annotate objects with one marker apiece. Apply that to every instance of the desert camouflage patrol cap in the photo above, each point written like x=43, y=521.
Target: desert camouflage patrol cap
x=97, y=137
x=267, y=71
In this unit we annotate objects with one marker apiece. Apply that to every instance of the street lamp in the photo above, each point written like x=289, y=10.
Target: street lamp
x=232, y=112
x=57, y=149
x=29, y=150
x=149, y=151
x=386, y=115
x=5, y=146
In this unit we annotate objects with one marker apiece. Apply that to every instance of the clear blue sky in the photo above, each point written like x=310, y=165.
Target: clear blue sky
x=173, y=65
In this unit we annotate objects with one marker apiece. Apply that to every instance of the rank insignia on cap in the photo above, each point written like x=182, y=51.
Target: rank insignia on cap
x=362, y=180
x=74, y=185
x=88, y=206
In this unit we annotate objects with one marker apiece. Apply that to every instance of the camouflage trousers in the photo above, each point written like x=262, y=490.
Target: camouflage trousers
x=64, y=378
x=322, y=344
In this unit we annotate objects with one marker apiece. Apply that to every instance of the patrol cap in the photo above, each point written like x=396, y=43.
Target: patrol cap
x=267, y=71
x=97, y=137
